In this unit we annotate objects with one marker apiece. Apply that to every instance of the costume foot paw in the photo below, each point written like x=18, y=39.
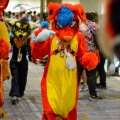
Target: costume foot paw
x=1, y=113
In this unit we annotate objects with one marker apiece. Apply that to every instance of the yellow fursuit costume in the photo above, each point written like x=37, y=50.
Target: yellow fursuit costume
x=4, y=51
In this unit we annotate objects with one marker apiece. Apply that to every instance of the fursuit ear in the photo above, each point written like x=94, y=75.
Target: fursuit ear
x=53, y=9
x=33, y=25
x=10, y=22
x=3, y=4
x=79, y=10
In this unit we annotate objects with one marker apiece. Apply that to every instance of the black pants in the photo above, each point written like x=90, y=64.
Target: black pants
x=19, y=71
x=101, y=70
x=91, y=78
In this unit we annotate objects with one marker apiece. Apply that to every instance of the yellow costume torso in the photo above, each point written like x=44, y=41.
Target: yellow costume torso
x=3, y=33
x=5, y=65
x=62, y=85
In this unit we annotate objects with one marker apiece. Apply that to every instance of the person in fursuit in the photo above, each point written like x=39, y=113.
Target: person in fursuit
x=62, y=42
x=4, y=51
x=21, y=30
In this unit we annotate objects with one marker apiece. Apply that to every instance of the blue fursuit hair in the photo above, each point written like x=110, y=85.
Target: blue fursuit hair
x=44, y=24
x=65, y=16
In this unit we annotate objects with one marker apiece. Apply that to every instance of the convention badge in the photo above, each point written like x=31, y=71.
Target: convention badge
x=58, y=42
x=62, y=53
x=70, y=63
x=19, y=57
x=66, y=52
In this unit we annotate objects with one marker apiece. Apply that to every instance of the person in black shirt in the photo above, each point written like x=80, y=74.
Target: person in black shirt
x=19, y=63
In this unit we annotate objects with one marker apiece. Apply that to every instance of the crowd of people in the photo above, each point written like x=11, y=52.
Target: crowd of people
x=32, y=16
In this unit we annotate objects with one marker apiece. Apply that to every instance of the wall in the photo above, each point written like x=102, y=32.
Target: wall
x=92, y=5
x=71, y=1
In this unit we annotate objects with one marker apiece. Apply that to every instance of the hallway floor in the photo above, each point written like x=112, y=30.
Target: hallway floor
x=30, y=107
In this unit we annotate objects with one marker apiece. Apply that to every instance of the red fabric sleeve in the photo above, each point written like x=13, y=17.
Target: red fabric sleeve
x=39, y=49
x=4, y=49
x=82, y=48
x=89, y=60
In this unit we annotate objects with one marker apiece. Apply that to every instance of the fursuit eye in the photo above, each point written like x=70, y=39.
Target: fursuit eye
x=58, y=26
x=24, y=29
x=16, y=28
x=73, y=23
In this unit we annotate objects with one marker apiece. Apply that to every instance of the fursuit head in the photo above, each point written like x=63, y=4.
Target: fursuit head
x=21, y=30
x=65, y=20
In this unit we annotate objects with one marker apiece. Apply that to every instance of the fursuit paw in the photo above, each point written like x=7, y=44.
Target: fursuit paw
x=1, y=113
x=5, y=70
x=42, y=36
x=6, y=77
x=89, y=60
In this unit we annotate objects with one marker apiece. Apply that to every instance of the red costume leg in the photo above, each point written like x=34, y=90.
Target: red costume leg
x=72, y=115
x=48, y=113
x=48, y=116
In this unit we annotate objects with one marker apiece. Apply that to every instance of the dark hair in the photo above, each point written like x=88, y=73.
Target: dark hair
x=93, y=16
x=89, y=16
x=24, y=20
x=34, y=12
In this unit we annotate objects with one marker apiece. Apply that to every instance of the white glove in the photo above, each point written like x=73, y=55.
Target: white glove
x=42, y=36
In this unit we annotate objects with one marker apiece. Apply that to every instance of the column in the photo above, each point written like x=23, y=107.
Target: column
x=42, y=9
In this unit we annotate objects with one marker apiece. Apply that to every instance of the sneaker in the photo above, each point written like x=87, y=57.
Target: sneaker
x=85, y=87
x=80, y=89
x=14, y=100
x=94, y=97
x=101, y=86
x=18, y=99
